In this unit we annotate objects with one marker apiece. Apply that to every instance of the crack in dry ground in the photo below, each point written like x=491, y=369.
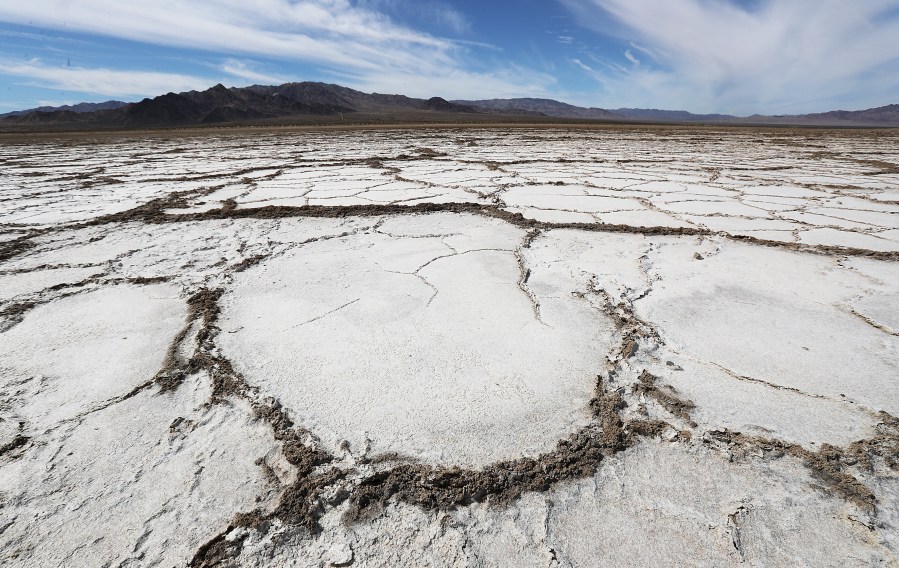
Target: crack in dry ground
x=579, y=456
x=436, y=488
x=15, y=311
x=524, y=273
x=154, y=212
x=321, y=486
x=447, y=488
x=17, y=442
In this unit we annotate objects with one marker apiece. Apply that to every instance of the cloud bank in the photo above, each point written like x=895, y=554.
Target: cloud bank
x=350, y=40
x=733, y=56
x=760, y=56
x=101, y=81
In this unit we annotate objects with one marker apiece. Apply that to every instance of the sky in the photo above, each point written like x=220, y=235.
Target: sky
x=723, y=56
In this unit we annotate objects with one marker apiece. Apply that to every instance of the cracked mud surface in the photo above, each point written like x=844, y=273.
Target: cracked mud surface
x=451, y=347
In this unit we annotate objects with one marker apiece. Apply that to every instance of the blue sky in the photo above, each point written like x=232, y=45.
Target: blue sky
x=732, y=56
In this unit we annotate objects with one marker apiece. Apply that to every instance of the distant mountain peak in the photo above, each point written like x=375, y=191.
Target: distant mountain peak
x=76, y=108
x=441, y=104
x=259, y=103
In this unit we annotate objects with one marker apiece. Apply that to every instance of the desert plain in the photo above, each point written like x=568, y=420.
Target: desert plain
x=620, y=346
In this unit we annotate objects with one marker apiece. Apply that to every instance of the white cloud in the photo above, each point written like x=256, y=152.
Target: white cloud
x=780, y=56
x=246, y=71
x=451, y=19
x=343, y=38
x=327, y=32
x=645, y=50
x=631, y=57
x=435, y=12
x=459, y=84
x=101, y=81
x=582, y=65
x=507, y=82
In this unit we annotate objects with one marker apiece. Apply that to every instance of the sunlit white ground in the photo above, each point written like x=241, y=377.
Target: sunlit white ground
x=449, y=339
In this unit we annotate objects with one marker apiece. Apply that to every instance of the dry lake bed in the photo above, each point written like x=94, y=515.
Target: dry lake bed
x=450, y=347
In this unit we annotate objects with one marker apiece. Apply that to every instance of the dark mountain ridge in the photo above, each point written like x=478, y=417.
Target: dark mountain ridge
x=545, y=107
x=670, y=115
x=888, y=114
x=311, y=102
x=77, y=108
x=220, y=104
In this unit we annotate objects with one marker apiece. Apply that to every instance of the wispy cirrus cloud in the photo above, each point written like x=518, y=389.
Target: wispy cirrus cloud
x=248, y=71
x=772, y=56
x=331, y=32
x=101, y=81
x=631, y=57
x=440, y=14
x=582, y=65
x=356, y=40
x=509, y=81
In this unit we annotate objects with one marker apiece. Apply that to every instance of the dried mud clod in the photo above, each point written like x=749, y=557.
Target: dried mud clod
x=17, y=442
x=882, y=167
x=300, y=504
x=881, y=452
x=429, y=153
x=432, y=488
x=319, y=487
x=500, y=484
x=15, y=247
x=248, y=262
x=305, y=501
x=665, y=395
x=13, y=313
x=829, y=465
x=155, y=211
x=218, y=552
x=302, y=456
x=606, y=407
x=229, y=205
x=202, y=307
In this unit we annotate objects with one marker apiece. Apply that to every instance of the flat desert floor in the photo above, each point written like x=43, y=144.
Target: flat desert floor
x=450, y=347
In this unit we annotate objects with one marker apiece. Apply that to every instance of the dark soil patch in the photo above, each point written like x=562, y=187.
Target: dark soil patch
x=14, y=444
x=665, y=395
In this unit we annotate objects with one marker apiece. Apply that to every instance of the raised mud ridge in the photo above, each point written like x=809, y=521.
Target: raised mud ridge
x=633, y=402
x=155, y=212
x=320, y=487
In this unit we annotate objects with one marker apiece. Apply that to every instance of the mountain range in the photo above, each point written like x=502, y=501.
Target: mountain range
x=320, y=103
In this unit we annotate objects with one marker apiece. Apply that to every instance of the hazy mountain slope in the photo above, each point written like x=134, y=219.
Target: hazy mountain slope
x=220, y=104
x=548, y=107
x=669, y=115
x=879, y=115
x=78, y=108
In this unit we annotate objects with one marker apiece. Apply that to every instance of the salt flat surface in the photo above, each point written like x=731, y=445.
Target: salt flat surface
x=141, y=482
x=687, y=505
x=536, y=347
x=413, y=346
x=739, y=176
x=71, y=355
x=728, y=332
x=778, y=326
x=23, y=284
